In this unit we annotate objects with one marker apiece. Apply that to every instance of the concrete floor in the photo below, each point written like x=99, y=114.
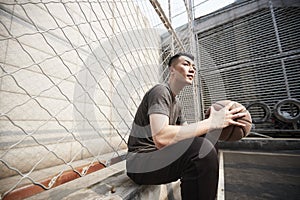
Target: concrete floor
x=250, y=170
x=262, y=175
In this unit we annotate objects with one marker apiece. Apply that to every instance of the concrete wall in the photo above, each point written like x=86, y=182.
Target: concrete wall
x=71, y=76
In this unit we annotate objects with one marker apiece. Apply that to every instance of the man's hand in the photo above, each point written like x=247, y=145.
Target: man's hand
x=225, y=116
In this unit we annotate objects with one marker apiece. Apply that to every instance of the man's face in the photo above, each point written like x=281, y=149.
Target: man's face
x=184, y=70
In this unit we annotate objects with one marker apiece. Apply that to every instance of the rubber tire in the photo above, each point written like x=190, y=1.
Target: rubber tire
x=278, y=113
x=265, y=107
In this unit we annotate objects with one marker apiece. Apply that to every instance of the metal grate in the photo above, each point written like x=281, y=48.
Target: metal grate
x=252, y=58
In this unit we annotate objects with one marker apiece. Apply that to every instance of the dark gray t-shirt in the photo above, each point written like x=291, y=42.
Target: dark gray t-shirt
x=157, y=100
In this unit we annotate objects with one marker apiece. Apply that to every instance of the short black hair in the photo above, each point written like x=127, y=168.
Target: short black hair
x=176, y=56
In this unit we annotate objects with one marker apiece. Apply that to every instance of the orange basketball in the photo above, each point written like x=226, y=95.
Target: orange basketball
x=233, y=132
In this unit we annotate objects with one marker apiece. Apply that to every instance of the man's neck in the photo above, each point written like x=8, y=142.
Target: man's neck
x=175, y=87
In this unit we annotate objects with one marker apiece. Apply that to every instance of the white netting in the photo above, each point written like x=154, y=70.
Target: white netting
x=72, y=75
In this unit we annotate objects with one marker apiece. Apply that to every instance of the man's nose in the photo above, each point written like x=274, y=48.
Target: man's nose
x=192, y=69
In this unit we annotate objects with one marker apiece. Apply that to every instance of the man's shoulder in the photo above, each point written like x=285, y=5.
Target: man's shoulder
x=159, y=88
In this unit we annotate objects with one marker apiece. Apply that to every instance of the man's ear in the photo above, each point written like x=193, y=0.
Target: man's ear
x=171, y=69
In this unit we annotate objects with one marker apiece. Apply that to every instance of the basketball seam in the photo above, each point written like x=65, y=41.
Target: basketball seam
x=220, y=104
x=243, y=128
x=231, y=133
x=245, y=120
x=244, y=132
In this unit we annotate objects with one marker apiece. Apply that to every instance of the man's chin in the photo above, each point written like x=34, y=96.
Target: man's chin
x=190, y=82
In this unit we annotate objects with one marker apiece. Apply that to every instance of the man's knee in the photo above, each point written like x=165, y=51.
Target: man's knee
x=203, y=147
x=205, y=153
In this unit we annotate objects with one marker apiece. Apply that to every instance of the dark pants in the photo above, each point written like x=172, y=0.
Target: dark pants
x=193, y=161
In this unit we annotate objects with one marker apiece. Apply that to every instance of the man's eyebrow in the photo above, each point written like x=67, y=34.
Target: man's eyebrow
x=189, y=62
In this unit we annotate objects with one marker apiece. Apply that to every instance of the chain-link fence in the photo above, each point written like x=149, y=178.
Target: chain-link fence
x=72, y=75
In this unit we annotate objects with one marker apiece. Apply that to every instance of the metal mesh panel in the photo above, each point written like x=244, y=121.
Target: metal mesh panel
x=288, y=27
x=253, y=58
x=293, y=74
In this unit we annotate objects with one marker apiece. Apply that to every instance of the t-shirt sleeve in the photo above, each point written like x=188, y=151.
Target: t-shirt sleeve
x=159, y=101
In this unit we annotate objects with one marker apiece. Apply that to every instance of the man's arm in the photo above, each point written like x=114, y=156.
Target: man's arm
x=164, y=134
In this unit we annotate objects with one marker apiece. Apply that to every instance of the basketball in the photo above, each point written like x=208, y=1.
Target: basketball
x=233, y=132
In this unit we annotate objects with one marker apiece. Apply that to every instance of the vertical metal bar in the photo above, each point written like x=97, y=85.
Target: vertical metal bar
x=166, y=22
x=198, y=85
x=280, y=49
x=170, y=19
x=275, y=26
x=193, y=42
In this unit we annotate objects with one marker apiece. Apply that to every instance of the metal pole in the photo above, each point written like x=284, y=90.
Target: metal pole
x=280, y=49
x=166, y=22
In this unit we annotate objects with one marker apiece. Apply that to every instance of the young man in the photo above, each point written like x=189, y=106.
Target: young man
x=163, y=148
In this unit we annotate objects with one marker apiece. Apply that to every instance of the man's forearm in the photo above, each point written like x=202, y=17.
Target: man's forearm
x=169, y=134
